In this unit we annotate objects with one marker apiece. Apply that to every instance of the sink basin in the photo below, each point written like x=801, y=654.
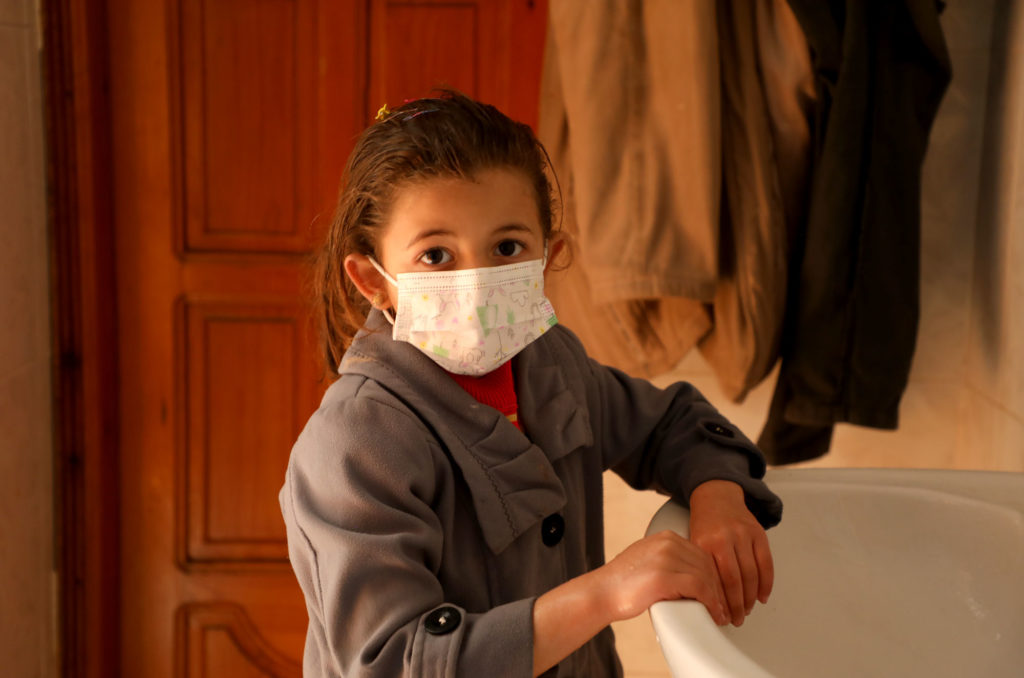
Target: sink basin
x=878, y=573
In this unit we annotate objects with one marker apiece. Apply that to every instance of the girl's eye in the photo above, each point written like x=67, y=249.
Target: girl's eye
x=509, y=248
x=435, y=256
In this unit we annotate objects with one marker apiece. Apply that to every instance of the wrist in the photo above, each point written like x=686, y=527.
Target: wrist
x=566, y=617
x=716, y=492
x=597, y=597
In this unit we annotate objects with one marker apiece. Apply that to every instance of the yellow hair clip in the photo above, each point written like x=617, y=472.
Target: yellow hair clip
x=383, y=112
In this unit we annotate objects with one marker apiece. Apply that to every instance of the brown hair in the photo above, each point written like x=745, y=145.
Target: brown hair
x=447, y=136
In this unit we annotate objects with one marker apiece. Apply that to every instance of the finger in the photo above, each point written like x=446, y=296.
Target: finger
x=732, y=583
x=720, y=592
x=710, y=568
x=749, y=575
x=703, y=588
x=689, y=558
x=689, y=554
x=766, y=568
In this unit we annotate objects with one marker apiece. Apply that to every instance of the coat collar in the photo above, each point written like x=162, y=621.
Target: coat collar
x=509, y=474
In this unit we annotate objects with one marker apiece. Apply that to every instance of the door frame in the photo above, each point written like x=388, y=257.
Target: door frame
x=84, y=336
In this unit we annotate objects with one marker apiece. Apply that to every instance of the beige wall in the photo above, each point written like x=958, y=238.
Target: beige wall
x=991, y=434
x=27, y=647
x=964, y=406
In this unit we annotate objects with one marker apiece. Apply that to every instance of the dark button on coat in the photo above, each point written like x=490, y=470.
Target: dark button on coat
x=552, y=529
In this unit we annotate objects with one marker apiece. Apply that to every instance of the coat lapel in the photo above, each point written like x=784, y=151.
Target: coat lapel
x=510, y=476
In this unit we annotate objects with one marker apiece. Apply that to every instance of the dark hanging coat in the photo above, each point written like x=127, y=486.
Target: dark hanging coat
x=881, y=68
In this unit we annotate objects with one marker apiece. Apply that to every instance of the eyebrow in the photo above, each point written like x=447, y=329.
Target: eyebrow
x=427, y=234
x=513, y=228
x=507, y=228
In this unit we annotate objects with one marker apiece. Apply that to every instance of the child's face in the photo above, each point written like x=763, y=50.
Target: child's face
x=450, y=224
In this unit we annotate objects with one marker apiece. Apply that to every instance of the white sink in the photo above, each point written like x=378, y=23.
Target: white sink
x=878, y=573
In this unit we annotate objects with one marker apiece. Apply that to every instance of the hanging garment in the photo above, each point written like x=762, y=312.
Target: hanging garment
x=767, y=88
x=630, y=117
x=881, y=68
x=639, y=92
x=638, y=100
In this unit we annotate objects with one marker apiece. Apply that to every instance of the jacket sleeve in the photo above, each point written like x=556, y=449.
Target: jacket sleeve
x=365, y=542
x=672, y=440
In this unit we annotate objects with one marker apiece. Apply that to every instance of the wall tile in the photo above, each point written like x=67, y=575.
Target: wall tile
x=693, y=365
x=925, y=438
x=995, y=365
x=749, y=416
x=1014, y=304
x=26, y=527
x=15, y=12
x=950, y=184
x=23, y=255
x=1015, y=21
x=967, y=24
x=26, y=451
x=989, y=438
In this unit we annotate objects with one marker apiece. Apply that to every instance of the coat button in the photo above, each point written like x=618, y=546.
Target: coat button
x=552, y=529
x=719, y=429
x=442, y=620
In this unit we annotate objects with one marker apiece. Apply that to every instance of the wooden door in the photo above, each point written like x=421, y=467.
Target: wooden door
x=231, y=121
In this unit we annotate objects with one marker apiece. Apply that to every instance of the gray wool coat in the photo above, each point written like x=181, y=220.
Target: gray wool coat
x=422, y=525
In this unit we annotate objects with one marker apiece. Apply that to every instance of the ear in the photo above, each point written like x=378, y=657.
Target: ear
x=557, y=244
x=368, y=280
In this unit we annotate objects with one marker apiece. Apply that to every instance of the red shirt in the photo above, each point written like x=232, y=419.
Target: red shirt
x=496, y=389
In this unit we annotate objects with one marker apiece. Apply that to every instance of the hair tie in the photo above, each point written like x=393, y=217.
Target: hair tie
x=383, y=112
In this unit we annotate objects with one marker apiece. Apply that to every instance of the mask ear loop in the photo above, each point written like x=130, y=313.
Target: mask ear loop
x=380, y=269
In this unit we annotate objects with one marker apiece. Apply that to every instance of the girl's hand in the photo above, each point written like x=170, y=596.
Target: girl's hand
x=662, y=566
x=722, y=526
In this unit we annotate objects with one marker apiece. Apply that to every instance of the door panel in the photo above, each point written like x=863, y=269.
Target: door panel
x=415, y=42
x=218, y=639
x=490, y=50
x=221, y=343
x=244, y=91
x=231, y=123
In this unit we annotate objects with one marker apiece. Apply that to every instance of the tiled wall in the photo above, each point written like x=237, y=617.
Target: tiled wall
x=991, y=434
x=964, y=406
x=26, y=457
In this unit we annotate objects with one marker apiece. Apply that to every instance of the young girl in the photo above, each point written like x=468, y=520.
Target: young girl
x=444, y=504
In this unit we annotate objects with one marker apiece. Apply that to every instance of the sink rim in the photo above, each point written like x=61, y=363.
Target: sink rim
x=706, y=650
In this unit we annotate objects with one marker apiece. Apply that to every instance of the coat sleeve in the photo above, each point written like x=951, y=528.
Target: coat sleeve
x=365, y=542
x=671, y=440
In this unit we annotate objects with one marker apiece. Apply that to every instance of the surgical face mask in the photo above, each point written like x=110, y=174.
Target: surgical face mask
x=472, y=321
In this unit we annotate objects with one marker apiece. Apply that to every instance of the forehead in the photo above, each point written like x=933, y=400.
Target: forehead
x=489, y=199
